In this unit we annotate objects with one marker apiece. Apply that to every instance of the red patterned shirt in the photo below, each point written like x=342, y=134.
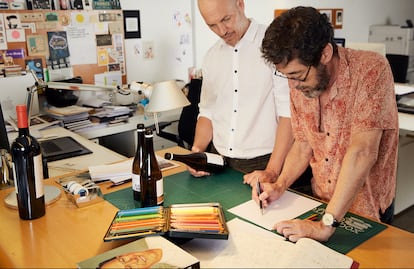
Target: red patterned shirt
x=361, y=99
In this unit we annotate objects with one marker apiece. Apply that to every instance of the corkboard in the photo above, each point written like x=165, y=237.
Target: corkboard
x=39, y=22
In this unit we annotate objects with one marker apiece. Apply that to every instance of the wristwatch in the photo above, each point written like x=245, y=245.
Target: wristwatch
x=329, y=220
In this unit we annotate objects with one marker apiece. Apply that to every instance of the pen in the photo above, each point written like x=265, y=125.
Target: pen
x=258, y=194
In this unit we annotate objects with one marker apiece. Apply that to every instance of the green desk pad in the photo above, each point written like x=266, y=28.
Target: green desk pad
x=227, y=188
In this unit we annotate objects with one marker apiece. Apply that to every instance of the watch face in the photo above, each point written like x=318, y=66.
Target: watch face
x=327, y=219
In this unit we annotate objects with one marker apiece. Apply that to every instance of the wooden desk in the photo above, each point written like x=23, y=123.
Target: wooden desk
x=67, y=235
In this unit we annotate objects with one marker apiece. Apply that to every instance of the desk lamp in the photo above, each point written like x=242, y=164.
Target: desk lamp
x=165, y=96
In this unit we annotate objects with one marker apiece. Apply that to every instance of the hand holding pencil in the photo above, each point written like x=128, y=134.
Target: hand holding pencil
x=258, y=194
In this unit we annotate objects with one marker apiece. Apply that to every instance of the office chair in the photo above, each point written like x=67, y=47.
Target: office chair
x=188, y=118
x=399, y=66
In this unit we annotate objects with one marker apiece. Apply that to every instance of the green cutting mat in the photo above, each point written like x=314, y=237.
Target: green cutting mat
x=227, y=188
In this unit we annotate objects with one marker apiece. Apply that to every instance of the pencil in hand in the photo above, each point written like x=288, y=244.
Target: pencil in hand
x=258, y=194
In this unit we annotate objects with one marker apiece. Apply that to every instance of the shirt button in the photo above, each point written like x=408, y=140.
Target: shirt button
x=235, y=71
x=230, y=149
x=235, y=110
x=235, y=50
x=235, y=90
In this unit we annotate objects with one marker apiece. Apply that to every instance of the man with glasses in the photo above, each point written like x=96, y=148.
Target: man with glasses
x=244, y=108
x=344, y=121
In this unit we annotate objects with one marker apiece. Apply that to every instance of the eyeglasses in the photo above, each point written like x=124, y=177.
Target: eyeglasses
x=277, y=73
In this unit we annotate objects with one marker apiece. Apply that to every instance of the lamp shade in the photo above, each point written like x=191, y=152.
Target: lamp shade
x=165, y=96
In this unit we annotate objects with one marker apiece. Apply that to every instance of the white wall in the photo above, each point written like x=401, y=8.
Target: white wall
x=357, y=17
x=159, y=28
x=156, y=25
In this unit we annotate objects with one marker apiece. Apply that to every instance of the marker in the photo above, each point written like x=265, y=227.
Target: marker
x=258, y=194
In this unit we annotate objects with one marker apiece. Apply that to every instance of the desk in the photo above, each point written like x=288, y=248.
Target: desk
x=122, y=137
x=100, y=154
x=67, y=235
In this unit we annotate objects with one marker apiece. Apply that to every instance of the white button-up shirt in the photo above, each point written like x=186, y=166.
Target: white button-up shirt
x=242, y=97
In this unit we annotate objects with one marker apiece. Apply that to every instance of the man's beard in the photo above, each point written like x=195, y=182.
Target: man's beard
x=323, y=80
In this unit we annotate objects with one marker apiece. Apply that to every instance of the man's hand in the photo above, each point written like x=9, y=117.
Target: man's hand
x=270, y=192
x=196, y=173
x=262, y=175
x=296, y=229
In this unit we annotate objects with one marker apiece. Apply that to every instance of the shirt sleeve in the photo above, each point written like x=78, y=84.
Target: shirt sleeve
x=377, y=90
x=282, y=97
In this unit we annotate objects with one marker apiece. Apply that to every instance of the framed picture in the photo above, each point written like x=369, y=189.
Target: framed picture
x=328, y=13
x=132, y=24
x=338, y=18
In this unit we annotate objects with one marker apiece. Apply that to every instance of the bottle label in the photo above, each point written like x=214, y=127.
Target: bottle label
x=38, y=173
x=214, y=158
x=15, y=178
x=136, y=182
x=160, y=191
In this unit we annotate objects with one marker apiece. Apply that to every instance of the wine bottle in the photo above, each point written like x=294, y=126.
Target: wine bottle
x=200, y=161
x=28, y=170
x=137, y=163
x=152, y=184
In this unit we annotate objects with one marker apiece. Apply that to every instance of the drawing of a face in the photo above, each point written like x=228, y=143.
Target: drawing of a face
x=143, y=259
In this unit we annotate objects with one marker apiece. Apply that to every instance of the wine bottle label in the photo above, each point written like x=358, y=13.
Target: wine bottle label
x=38, y=171
x=214, y=158
x=15, y=178
x=160, y=191
x=136, y=182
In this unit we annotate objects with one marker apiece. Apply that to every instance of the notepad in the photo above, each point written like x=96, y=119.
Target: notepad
x=62, y=148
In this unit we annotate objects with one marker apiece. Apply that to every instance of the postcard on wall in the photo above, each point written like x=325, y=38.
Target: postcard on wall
x=103, y=40
x=37, y=45
x=36, y=65
x=12, y=20
x=15, y=35
x=58, y=45
x=106, y=4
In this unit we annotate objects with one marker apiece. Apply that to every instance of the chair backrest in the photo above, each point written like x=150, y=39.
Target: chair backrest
x=399, y=66
x=188, y=117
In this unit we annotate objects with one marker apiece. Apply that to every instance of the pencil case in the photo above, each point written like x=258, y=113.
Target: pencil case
x=198, y=220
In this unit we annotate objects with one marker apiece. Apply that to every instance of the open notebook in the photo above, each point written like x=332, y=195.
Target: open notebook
x=62, y=148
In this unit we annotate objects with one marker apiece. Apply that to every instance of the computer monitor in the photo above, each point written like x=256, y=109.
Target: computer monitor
x=4, y=140
x=340, y=41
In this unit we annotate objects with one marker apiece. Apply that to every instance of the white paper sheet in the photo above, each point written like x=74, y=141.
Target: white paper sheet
x=289, y=206
x=248, y=246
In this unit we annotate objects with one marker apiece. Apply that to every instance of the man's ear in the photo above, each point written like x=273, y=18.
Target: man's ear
x=327, y=54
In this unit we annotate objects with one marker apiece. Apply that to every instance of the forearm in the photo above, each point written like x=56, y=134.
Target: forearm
x=283, y=143
x=356, y=165
x=203, y=134
x=295, y=164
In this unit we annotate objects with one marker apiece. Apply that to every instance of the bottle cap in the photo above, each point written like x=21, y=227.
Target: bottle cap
x=21, y=112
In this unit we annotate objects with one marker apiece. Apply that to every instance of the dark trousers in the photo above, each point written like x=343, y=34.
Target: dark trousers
x=245, y=165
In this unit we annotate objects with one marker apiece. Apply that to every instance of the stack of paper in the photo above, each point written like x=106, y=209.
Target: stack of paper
x=122, y=171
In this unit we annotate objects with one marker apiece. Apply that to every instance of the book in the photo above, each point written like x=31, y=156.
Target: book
x=250, y=246
x=149, y=252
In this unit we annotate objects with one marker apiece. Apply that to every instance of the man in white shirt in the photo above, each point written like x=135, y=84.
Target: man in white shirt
x=244, y=108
